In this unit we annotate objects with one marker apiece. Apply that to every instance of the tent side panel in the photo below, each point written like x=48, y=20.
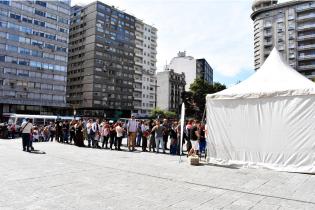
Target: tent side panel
x=277, y=133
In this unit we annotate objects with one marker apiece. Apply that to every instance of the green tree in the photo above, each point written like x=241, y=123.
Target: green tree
x=187, y=98
x=159, y=113
x=200, y=89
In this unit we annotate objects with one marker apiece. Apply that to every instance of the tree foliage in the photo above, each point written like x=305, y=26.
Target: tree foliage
x=159, y=113
x=195, y=99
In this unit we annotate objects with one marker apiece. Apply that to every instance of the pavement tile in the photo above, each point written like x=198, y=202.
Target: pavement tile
x=69, y=177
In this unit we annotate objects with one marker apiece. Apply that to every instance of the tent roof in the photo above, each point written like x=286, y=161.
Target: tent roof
x=274, y=78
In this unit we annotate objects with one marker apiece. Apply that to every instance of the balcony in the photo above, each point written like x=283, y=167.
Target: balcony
x=138, y=88
x=139, y=54
x=266, y=43
x=304, y=37
x=305, y=47
x=139, y=37
x=306, y=57
x=268, y=26
x=306, y=17
x=139, y=45
x=306, y=67
x=267, y=34
x=137, y=97
x=139, y=63
x=305, y=7
x=307, y=26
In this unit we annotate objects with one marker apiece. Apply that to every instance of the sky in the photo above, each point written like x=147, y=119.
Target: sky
x=220, y=31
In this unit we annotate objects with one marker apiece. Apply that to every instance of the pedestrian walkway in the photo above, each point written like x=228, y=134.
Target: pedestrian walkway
x=62, y=176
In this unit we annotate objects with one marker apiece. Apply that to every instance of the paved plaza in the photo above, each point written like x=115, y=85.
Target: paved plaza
x=69, y=177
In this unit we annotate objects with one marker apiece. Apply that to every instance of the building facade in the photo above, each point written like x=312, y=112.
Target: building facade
x=193, y=68
x=170, y=86
x=33, y=55
x=112, y=62
x=290, y=27
x=145, y=69
x=101, y=61
x=204, y=70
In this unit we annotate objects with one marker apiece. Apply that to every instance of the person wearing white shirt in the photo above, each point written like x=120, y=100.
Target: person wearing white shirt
x=96, y=131
x=145, y=133
x=119, y=135
x=26, y=129
x=90, y=133
x=132, y=127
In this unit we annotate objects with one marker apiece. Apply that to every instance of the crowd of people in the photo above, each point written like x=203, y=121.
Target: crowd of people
x=150, y=135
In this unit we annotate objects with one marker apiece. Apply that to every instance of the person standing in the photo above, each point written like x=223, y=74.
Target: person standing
x=72, y=131
x=52, y=131
x=79, y=140
x=90, y=133
x=26, y=129
x=105, y=134
x=11, y=129
x=112, y=134
x=188, y=132
x=165, y=133
x=132, y=127
x=59, y=131
x=159, y=129
x=152, y=136
x=145, y=134
x=119, y=135
x=46, y=133
x=202, y=138
x=139, y=133
x=65, y=130
x=194, y=136
x=173, y=136
x=96, y=131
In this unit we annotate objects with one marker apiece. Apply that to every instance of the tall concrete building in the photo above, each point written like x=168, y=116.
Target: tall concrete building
x=111, y=53
x=170, y=86
x=101, y=61
x=33, y=55
x=145, y=68
x=288, y=26
x=193, y=68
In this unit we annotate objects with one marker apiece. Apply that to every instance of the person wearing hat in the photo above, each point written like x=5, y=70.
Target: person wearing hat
x=26, y=129
x=132, y=127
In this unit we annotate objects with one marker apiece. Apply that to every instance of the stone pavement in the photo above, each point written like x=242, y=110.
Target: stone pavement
x=69, y=177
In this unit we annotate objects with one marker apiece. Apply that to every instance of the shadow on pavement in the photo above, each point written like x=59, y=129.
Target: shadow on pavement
x=38, y=152
x=222, y=166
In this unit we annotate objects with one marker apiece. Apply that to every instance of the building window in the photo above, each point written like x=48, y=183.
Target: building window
x=41, y=3
x=51, y=16
x=27, y=20
x=39, y=23
x=15, y=16
x=40, y=13
x=27, y=8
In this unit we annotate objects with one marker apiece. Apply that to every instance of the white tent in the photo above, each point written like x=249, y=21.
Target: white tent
x=267, y=120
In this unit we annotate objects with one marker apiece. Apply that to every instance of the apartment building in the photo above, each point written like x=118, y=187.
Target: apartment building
x=33, y=55
x=101, y=61
x=145, y=69
x=170, y=86
x=288, y=26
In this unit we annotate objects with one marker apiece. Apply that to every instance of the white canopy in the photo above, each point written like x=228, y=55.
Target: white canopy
x=275, y=77
x=267, y=120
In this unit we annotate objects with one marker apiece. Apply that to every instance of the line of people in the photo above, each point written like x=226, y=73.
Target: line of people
x=150, y=135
